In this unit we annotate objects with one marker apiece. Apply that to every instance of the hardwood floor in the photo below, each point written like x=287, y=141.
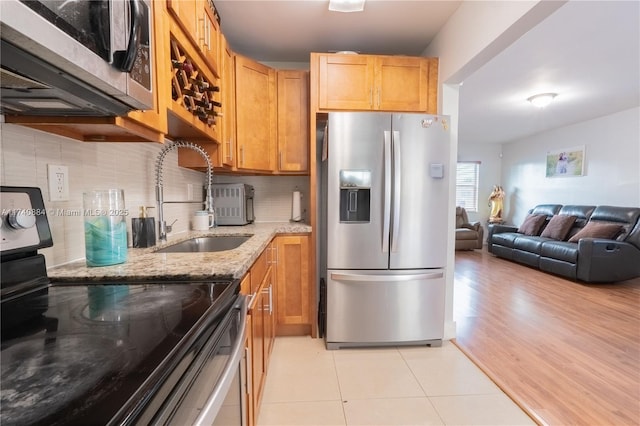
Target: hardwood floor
x=566, y=352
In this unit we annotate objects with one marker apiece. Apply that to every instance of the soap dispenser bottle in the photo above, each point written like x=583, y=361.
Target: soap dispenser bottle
x=143, y=229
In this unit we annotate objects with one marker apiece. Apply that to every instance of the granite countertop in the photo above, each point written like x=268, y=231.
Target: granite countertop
x=144, y=264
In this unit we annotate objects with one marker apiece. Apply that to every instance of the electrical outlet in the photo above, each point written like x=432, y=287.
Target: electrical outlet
x=58, y=182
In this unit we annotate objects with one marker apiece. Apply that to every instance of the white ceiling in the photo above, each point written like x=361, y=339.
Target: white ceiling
x=587, y=51
x=286, y=31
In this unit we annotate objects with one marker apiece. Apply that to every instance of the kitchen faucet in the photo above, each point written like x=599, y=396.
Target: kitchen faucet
x=163, y=228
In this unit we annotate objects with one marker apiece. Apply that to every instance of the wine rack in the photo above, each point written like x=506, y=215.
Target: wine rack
x=192, y=89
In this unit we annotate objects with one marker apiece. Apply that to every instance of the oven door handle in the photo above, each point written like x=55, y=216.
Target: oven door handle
x=215, y=400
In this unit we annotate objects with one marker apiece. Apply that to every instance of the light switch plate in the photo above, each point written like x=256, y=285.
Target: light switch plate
x=58, y=182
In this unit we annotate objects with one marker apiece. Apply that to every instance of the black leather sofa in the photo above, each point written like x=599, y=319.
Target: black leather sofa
x=592, y=260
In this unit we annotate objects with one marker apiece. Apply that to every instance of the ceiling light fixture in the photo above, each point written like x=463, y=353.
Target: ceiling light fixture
x=346, y=5
x=542, y=100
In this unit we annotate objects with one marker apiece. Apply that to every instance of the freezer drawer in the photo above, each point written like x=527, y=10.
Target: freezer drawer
x=377, y=308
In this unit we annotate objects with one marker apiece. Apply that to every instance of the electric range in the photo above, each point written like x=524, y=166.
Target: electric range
x=93, y=353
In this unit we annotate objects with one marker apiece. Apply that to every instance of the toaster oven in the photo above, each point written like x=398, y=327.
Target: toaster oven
x=233, y=203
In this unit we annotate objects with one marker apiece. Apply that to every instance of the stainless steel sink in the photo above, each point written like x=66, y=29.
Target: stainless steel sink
x=206, y=244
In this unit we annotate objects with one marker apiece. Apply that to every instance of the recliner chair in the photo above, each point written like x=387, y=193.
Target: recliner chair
x=468, y=235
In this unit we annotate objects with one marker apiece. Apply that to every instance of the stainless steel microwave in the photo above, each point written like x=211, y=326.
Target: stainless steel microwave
x=67, y=57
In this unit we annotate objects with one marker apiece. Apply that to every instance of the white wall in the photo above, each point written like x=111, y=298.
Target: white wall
x=25, y=154
x=479, y=30
x=474, y=34
x=490, y=157
x=273, y=195
x=128, y=166
x=612, y=166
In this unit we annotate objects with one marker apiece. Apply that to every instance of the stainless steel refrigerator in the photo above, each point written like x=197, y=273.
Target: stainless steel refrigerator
x=387, y=188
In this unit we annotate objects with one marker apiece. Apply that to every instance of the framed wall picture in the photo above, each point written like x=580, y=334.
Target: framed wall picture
x=567, y=162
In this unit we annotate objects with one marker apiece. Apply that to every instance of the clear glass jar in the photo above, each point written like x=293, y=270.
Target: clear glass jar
x=105, y=227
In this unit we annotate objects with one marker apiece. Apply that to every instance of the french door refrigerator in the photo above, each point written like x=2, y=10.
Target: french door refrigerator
x=386, y=220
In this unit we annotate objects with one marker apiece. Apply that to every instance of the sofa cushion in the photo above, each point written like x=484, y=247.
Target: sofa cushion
x=546, y=209
x=529, y=243
x=628, y=217
x=505, y=238
x=558, y=227
x=561, y=250
x=598, y=230
x=581, y=212
x=532, y=224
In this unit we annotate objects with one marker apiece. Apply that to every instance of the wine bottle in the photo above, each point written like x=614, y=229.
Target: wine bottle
x=203, y=102
x=210, y=88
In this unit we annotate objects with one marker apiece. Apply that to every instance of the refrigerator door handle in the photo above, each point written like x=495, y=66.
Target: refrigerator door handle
x=386, y=278
x=395, y=143
x=386, y=208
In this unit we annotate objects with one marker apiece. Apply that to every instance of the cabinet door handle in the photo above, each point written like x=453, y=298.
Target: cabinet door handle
x=241, y=155
x=202, y=36
x=229, y=151
x=208, y=34
x=371, y=96
x=280, y=160
x=205, y=39
x=248, y=381
x=378, y=90
x=269, y=293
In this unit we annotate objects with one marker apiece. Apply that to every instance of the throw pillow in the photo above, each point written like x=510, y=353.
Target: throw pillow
x=532, y=224
x=558, y=227
x=597, y=230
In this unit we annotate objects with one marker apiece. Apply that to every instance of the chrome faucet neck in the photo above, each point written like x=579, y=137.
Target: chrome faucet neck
x=162, y=225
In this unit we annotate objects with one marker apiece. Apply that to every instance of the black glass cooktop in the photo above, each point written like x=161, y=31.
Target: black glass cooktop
x=86, y=354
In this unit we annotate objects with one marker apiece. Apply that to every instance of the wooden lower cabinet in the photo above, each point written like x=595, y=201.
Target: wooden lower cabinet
x=245, y=288
x=262, y=329
x=279, y=284
x=257, y=352
x=269, y=315
x=293, y=285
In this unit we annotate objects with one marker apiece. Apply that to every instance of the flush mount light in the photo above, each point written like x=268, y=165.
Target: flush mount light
x=346, y=5
x=542, y=100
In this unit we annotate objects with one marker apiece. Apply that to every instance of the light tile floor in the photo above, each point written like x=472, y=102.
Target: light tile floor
x=308, y=385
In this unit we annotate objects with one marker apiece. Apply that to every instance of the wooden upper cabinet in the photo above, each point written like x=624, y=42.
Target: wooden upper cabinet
x=402, y=84
x=255, y=115
x=199, y=22
x=228, y=145
x=293, y=121
x=185, y=12
x=346, y=82
x=378, y=83
x=209, y=38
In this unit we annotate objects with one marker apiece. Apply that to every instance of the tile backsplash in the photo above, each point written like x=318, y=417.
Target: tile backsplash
x=26, y=153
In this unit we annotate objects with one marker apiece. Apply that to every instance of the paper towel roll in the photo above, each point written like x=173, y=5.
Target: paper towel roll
x=296, y=214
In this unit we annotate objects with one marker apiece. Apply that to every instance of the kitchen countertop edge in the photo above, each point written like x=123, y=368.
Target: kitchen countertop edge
x=145, y=264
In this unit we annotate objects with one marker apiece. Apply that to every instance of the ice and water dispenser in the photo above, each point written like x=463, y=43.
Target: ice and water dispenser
x=355, y=196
